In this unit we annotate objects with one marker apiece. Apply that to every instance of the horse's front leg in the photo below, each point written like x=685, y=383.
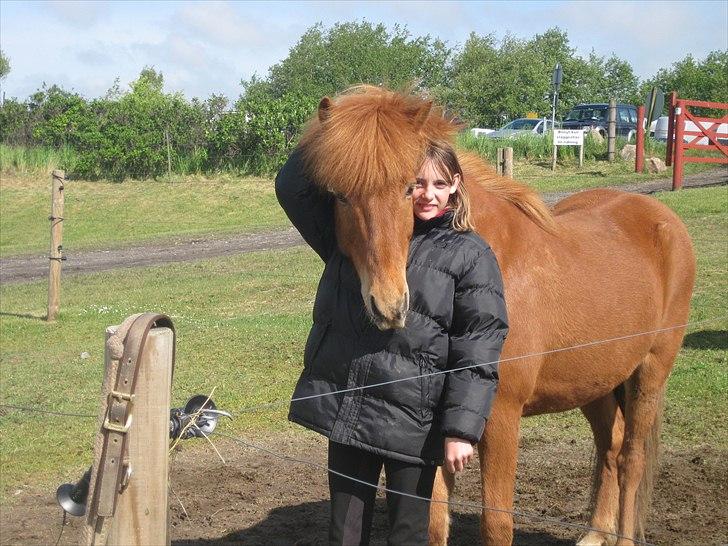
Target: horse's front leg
x=439, y=509
x=498, y=450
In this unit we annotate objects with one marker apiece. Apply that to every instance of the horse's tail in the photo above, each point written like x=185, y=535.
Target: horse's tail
x=652, y=449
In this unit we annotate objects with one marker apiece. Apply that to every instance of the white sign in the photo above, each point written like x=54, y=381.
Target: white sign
x=568, y=137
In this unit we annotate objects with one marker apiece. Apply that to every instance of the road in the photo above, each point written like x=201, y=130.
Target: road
x=29, y=268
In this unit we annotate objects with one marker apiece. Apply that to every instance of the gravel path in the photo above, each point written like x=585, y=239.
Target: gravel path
x=30, y=268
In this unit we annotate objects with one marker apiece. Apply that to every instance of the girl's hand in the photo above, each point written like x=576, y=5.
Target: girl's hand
x=458, y=453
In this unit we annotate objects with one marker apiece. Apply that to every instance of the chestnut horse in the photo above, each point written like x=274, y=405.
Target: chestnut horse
x=602, y=264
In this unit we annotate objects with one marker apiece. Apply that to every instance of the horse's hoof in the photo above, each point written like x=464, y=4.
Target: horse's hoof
x=593, y=538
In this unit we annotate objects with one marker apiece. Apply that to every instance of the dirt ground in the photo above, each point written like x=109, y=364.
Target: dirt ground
x=29, y=268
x=258, y=499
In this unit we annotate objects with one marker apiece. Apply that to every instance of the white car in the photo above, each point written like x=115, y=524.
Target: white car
x=478, y=132
x=522, y=126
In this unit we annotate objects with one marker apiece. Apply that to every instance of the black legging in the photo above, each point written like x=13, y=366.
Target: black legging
x=352, y=503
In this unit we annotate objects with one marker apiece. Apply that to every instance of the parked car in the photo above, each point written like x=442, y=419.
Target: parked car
x=522, y=126
x=596, y=116
x=479, y=132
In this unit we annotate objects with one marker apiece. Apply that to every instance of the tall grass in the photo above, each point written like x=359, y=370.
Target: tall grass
x=36, y=159
x=531, y=147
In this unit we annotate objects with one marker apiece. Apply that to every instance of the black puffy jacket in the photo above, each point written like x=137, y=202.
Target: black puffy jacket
x=457, y=318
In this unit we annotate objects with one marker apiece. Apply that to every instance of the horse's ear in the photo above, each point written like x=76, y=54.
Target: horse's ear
x=324, y=109
x=420, y=115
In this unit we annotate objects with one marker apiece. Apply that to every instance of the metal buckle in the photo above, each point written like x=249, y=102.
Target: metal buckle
x=120, y=396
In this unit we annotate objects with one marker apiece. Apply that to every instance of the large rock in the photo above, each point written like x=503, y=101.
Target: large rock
x=596, y=135
x=628, y=152
x=656, y=165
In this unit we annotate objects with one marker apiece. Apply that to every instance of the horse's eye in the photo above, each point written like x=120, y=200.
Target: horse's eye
x=409, y=190
x=340, y=198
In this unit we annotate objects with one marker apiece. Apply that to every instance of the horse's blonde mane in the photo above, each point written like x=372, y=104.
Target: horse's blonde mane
x=522, y=196
x=372, y=140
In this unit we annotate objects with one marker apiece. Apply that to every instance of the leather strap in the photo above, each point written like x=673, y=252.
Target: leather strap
x=112, y=474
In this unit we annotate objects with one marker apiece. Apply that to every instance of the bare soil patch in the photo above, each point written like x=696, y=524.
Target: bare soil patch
x=30, y=268
x=257, y=499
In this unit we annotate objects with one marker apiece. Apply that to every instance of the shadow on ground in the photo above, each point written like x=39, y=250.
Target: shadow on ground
x=305, y=525
x=707, y=339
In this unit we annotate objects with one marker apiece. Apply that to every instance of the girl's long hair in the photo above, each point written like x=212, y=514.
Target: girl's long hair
x=446, y=162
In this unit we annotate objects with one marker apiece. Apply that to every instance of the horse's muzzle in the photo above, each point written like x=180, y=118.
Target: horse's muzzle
x=394, y=318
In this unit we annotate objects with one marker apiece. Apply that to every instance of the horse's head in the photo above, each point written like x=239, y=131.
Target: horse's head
x=365, y=148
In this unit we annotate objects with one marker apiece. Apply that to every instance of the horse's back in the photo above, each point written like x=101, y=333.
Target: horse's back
x=631, y=222
x=625, y=265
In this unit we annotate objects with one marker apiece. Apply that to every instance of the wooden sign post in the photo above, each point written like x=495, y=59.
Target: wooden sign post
x=56, y=250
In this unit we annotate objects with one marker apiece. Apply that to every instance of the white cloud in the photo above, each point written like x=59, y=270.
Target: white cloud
x=206, y=47
x=219, y=23
x=77, y=13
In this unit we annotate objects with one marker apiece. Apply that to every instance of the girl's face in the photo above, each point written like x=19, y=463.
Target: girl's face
x=432, y=192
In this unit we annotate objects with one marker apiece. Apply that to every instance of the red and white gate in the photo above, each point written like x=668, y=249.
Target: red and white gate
x=688, y=131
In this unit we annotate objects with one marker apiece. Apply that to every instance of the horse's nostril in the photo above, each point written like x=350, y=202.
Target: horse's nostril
x=375, y=310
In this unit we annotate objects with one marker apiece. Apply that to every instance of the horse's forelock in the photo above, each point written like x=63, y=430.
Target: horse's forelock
x=370, y=142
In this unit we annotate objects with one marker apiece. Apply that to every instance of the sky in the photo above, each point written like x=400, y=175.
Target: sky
x=210, y=46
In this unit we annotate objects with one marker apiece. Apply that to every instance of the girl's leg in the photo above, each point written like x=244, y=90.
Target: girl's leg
x=352, y=503
x=409, y=518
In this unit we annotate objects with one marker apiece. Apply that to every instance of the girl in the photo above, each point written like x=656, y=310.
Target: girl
x=456, y=320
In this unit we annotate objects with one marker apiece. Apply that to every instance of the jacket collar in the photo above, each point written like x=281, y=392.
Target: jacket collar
x=445, y=219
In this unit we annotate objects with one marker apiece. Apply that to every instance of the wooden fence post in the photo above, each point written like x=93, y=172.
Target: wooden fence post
x=678, y=150
x=56, y=250
x=141, y=513
x=508, y=162
x=612, y=130
x=639, y=156
x=504, y=163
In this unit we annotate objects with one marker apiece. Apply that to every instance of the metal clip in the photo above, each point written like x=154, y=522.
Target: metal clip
x=126, y=476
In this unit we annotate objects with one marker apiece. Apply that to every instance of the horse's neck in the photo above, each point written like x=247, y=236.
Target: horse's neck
x=509, y=231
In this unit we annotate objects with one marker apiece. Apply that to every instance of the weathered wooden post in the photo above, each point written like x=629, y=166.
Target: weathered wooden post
x=508, y=162
x=56, y=250
x=639, y=156
x=504, y=163
x=141, y=513
x=612, y=130
x=128, y=490
x=670, y=129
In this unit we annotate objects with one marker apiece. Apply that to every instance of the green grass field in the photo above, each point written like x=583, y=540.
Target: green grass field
x=241, y=325
x=108, y=214
x=111, y=214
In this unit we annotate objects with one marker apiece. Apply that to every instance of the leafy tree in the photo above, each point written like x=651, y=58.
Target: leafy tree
x=695, y=79
x=493, y=81
x=4, y=65
x=326, y=61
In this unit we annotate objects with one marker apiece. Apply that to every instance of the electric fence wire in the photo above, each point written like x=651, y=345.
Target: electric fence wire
x=275, y=403
x=49, y=412
x=515, y=513
x=462, y=504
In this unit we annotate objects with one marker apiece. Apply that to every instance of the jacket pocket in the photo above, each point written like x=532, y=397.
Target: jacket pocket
x=313, y=343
